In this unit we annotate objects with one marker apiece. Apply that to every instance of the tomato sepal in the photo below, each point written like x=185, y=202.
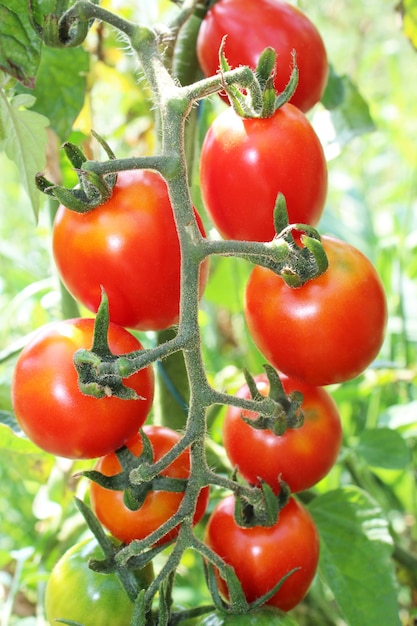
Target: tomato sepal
x=264, y=507
x=288, y=413
x=88, y=362
x=139, y=573
x=136, y=478
x=244, y=105
x=93, y=190
x=260, y=99
x=237, y=605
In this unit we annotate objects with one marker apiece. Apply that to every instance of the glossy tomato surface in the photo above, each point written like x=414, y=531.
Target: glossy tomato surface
x=265, y=616
x=261, y=556
x=77, y=593
x=159, y=506
x=253, y=25
x=301, y=456
x=129, y=245
x=327, y=331
x=245, y=163
x=51, y=409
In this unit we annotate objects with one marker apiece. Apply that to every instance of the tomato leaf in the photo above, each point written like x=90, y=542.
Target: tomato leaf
x=60, y=87
x=401, y=416
x=355, y=556
x=23, y=456
x=20, y=46
x=8, y=419
x=347, y=114
x=383, y=447
x=23, y=138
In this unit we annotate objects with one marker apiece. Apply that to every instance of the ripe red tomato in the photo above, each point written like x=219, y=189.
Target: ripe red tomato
x=327, y=331
x=301, y=456
x=245, y=163
x=261, y=556
x=129, y=245
x=51, y=409
x=253, y=25
x=159, y=506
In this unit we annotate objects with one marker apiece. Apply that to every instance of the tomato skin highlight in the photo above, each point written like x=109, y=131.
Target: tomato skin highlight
x=77, y=593
x=245, y=163
x=129, y=245
x=51, y=409
x=270, y=552
x=327, y=331
x=159, y=506
x=253, y=25
x=301, y=456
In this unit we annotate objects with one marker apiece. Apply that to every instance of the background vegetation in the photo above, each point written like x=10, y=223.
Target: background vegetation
x=370, y=142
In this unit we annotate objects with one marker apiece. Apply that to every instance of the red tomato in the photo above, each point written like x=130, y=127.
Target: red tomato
x=301, y=456
x=245, y=163
x=253, y=25
x=261, y=556
x=327, y=331
x=130, y=246
x=159, y=506
x=51, y=409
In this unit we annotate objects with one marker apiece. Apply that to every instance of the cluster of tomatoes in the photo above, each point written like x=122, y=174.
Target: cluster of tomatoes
x=324, y=332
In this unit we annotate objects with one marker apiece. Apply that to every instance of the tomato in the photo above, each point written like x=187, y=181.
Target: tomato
x=253, y=25
x=51, y=409
x=327, y=331
x=129, y=245
x=159, y=506
x=246, y=162
x=261, y=556
x=77, y=593
x=265, y=616
x=301, y=456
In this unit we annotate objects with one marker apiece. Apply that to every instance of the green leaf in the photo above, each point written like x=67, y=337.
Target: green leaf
x=60, y=87
x=355, y=556
x=348, y=110
x=23, y=138
x=383, y=447
x=23, y=456
x=335, y=91
x=8, y=419
x=402, y=416
x=20, y=46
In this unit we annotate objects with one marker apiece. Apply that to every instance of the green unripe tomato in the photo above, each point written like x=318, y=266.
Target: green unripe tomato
x=265, y=616
x=77, y=593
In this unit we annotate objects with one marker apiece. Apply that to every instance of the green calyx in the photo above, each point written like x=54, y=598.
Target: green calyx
x=260, y=99
x=261, y=506
x=93, y=189
x=93, y=379
x=296, y=253
x=287, y=412
x=132, y=481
